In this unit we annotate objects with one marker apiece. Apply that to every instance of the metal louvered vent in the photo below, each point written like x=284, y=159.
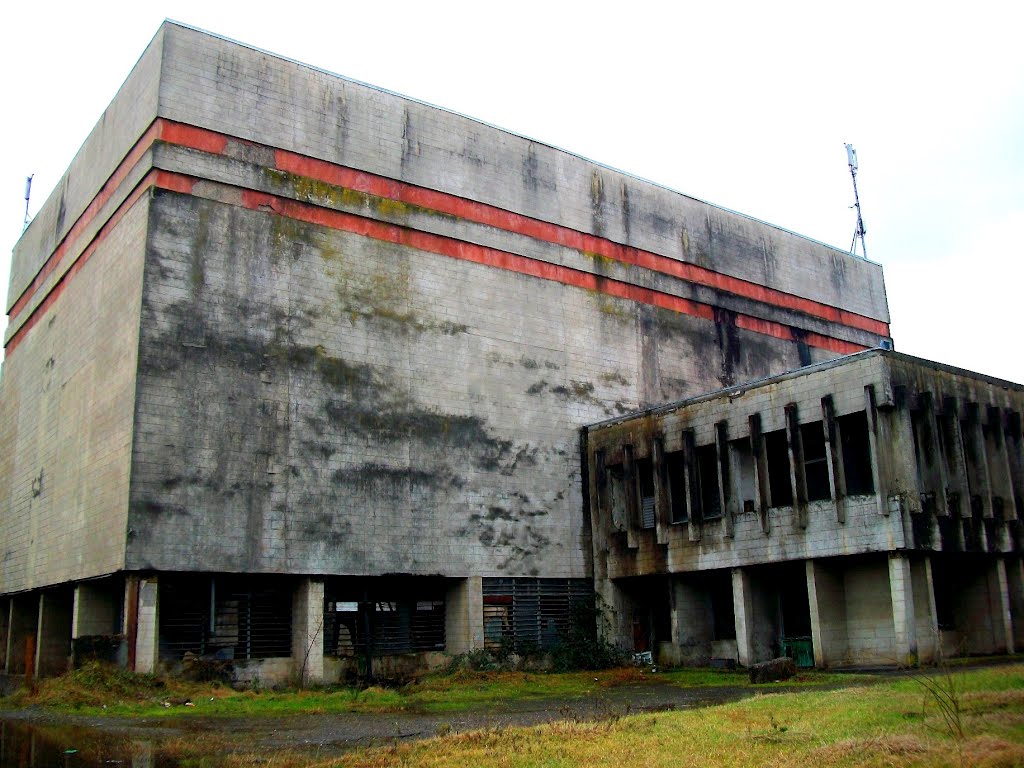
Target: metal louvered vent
x=527, y=614
x=397, y=616
x=647, y=512
x=225, y=617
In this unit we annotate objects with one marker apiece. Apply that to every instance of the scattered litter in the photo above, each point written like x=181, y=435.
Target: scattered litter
x=167, y=704
x=70, y=751
x=189, y=704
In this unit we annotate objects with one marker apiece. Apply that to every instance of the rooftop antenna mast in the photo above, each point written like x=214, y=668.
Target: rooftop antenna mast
x=851, y=159
x=28, y=194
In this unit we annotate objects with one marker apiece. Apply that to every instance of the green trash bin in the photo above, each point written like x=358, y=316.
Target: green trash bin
x=800, y=650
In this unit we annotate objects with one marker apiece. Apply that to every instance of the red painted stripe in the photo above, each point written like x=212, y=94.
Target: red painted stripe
x=90, y=212
x=482, y=213
x=158, y=178
x=216, y=143
x=431, y=243
x=480, y=254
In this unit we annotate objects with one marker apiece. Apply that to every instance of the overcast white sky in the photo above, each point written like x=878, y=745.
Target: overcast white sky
x=745, y=105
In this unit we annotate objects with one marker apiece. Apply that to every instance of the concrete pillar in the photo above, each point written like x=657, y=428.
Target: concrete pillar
x=826, y=598
x=24, y=623
x=1015, y=586
x=928, y=639
x=743, y=610
x=904, y=619
x=464, y=615
x=53, y=633
x=5, y=630
x=308, y=631
x=1003, y=622
x=147, y=625
x=691, y=622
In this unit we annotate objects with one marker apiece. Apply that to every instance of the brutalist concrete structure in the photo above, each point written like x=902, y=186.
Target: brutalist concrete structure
x=865, y=510
x=296, y=369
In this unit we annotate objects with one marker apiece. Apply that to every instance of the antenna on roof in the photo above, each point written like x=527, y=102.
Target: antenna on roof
x=851, y=159
x=28, y=194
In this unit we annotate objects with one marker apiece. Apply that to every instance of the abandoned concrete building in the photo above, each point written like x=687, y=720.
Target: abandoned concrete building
x=297, y=372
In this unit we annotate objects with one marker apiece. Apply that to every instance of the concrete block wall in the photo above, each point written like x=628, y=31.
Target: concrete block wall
x=238, y=91
x=66, y=420
x=871, y=637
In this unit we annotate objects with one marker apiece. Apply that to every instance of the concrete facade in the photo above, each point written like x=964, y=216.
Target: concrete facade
x=280, y=325
x=893, y=483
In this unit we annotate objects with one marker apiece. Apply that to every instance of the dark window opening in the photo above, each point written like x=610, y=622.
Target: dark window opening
x=225, y=618
x=722, y=612
x=780, y=488
x=707, y=471
x=815, y=463
x=645, y=485
x=943, y=589
x=856, y=444
x=743, y=472
x=524, y=615
x=616, y=497
x=675, y=468
x=393, y=615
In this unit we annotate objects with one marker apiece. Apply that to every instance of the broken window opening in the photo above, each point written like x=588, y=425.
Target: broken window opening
x=856, y=445
x=812, y=436
x=616, y=477
x=780, y=487
x=707, y=472
x=722, y=610
x=943, y=587
x=675, y=468
x=525, y=615
x=225, y=618
x=394, y=615
x=644, y=469
x=743, y=472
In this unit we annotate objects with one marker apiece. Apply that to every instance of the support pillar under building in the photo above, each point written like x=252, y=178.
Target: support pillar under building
x=464, y=615
x=53, y=633
x=147, y=625
x=24, y=624
x=743, y=610
x=904, y=617
x=308, y=631
x=826, y=598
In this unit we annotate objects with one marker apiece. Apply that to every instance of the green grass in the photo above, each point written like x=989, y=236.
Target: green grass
x=102, y=690
x=891, y=724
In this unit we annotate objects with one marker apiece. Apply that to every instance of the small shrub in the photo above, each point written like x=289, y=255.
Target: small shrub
x=580, y=648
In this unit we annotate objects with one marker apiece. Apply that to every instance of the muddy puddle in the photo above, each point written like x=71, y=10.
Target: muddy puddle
x=62, y=746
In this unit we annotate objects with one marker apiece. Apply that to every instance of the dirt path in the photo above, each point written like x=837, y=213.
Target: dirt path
x=336, y=733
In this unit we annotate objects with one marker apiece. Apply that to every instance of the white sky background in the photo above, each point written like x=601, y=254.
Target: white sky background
x=745, y=105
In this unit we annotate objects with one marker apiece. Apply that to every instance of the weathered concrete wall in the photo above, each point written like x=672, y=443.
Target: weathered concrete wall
x=66, y=421
x=315, y=399
x=242, y=92
x=871, y=638
x=121, y=124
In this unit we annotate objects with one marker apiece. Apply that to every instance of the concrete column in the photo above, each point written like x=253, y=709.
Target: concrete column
x=691, y=624
x=743, y=610
x=5, y=630
x=1003, y=621
x=24, y=622
x=147, y=628
x=308, y=631
x=53, y=633
x=1015, y=586
x=826, y=597
x=464, y=615
x=904, y=618
x=929, y=642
